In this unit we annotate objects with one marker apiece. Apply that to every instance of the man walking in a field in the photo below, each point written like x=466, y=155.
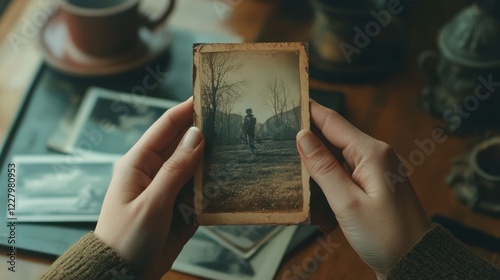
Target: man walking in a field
x=249, y=122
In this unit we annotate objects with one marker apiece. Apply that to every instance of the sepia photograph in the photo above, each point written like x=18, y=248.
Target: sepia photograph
x=111, y=122
x=250, y=101
x=49, y=189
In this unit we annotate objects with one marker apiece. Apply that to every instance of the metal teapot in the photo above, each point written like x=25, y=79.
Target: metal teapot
x=463, y=84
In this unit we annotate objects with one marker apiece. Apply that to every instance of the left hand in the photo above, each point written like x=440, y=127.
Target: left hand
x=137, y=218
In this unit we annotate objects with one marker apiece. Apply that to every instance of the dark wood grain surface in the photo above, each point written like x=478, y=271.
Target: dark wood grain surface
x=388, y=110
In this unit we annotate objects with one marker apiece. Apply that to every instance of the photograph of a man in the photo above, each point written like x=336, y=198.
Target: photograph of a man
x=249, y=122
x=250, y=102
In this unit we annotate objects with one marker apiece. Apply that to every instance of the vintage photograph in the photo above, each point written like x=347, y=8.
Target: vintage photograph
x=251, y=99
x=205, y=257
x=242, y=240
x=49, y=189
x=111, y=122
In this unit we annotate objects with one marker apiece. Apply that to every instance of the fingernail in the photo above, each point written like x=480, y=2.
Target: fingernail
x=192, y=138
x=309, y=143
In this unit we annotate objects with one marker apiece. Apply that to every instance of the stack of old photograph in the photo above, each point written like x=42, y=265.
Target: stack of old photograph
x=70, y=185
x=235, y=252
x=240, y=252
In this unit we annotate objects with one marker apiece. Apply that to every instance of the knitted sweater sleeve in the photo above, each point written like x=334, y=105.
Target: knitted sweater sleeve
x=439, y=255
x=89, y=258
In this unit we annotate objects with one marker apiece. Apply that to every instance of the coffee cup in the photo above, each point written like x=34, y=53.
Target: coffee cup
x=107, y=27
x=485, y=162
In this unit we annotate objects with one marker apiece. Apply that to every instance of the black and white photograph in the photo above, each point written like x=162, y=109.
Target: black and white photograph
x=205, y=257
x=242, y=240
x=112, y=122
x=251, y=100
x=54, y=189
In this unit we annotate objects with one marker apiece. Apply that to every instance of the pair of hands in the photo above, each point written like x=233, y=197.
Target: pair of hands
x=139, y=219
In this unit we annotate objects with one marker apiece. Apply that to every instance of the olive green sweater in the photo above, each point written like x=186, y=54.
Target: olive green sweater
x=438, y=255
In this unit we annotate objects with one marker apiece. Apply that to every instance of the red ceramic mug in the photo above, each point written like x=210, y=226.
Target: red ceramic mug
x=107, y=27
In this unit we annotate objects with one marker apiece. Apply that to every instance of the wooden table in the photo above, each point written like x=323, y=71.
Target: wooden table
x=388, y=111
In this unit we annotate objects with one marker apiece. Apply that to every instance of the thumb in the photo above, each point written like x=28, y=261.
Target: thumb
x=325, y=169
x=177, y=170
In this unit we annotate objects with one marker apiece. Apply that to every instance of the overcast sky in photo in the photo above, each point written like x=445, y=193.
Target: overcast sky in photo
x=258, y=68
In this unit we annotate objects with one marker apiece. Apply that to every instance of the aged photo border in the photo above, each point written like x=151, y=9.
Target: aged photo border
x=252, y=218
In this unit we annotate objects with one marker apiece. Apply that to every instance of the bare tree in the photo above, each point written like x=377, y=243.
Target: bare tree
x=296, y=113
x=278, y=100
x=219, y=91
x=226, y=108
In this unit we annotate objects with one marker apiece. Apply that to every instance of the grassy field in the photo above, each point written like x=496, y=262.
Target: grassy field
x=269, y=181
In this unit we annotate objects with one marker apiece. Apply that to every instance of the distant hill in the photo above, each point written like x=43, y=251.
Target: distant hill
x=283, y=127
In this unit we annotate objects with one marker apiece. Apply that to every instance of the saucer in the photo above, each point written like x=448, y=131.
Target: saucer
x=60, y=52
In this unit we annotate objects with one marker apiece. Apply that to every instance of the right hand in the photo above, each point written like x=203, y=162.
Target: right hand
x=380, y=220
